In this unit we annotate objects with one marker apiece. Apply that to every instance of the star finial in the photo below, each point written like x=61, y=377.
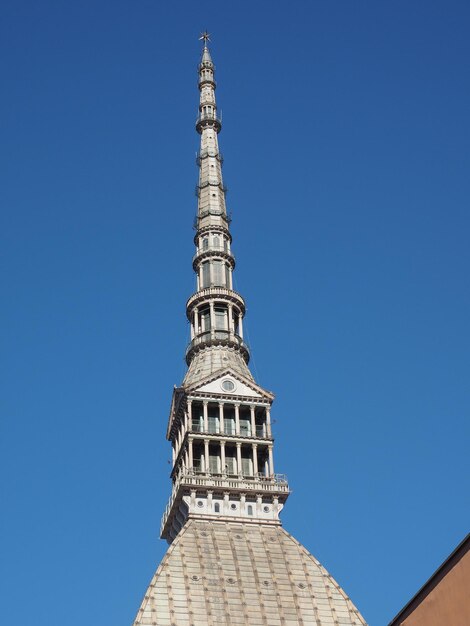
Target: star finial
x=205, y=37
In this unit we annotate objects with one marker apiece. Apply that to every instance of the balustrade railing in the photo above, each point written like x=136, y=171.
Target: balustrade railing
x=217, y=336
x=205, y=118
x=218, y=291
x=275, y=483
x=260, y=432
x=211, y=248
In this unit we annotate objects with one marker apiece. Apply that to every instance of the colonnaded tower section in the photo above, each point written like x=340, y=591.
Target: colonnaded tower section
x=230, y=562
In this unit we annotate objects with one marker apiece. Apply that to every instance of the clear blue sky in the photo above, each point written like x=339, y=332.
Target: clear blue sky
x=347, y=154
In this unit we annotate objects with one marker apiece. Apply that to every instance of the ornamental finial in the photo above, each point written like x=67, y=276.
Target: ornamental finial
x=205, y=37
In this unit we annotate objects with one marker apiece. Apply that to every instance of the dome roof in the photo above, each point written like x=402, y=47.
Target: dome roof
x=215, y=359
x=219, y=573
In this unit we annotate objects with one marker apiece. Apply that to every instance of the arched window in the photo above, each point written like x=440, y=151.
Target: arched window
x=216, y=242
x=220, y=316
x=216, y=507
x=218, y=275
x=249, y=508
x=206, y=275
x=205, y=319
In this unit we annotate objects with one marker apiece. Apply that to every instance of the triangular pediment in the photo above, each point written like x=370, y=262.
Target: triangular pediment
x=230, y=383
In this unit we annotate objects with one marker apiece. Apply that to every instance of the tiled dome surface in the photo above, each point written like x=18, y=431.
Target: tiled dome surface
x=242, y=574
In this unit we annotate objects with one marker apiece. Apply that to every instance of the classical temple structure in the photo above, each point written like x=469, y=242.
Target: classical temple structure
x=229, y=561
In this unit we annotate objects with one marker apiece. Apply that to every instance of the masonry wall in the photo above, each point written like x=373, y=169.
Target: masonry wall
x=447, y=603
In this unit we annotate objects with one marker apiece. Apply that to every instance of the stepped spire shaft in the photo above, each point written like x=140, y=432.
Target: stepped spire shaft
x=210, y=190
x=215, y=311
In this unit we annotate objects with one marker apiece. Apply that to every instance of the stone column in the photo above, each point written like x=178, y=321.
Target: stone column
x=239, y=458
x=253, y=422
x=276, y=505
x=192, y=325
x=190, y=453
x=222, y=457
x=212, y=314
x=268, y=421
x=237, y=419
x=271, y=463
x=221, y=418
x=255, y=459
x=240, y=325
x=206, y=455
x=177, y=442
x=230, y=318
x=189, y=415
x=206, y=417
x=185, y=422
x=173, y=454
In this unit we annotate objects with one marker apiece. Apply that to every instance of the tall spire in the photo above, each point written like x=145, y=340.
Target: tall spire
x=210, y=190
x=219, y=425
x=230, y=561
x=215, y=311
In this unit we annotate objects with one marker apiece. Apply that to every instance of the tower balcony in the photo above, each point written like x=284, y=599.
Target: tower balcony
x=274, y=485
x=217, y=338
x=207, y=80
x=211, y=293
x=212, y=228
x=205, y=120
x=216, y=251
